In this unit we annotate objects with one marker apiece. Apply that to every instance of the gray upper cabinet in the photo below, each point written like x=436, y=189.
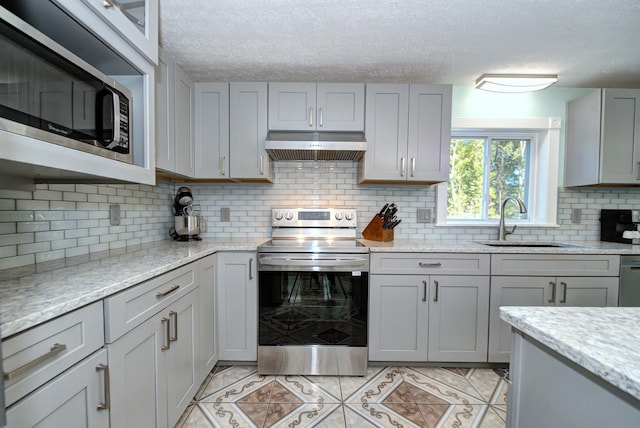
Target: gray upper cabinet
x=408, y=132
x=175, y=106
x=603, y=138
x=212, y=130
x=322, y=106
x=135, y=20
x=249, y=160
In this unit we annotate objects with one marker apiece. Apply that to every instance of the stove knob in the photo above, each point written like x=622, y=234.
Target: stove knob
x=339, y=215
x=278, y=215
x=349, y=215
x=288, y=215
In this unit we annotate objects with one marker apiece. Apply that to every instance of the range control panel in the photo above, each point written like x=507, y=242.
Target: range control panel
x=314, y=217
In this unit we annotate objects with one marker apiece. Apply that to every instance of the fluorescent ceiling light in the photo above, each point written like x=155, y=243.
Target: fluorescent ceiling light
x=515, y=82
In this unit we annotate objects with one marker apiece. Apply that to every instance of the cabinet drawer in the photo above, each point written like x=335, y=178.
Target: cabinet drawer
x=429, y=263
x=132, y=307
x=36, y=356
x=555, y=264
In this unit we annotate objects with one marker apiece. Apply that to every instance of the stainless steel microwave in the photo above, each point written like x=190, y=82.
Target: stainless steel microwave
x=48, y=93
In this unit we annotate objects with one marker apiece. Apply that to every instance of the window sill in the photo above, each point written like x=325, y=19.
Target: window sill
x=509, y=224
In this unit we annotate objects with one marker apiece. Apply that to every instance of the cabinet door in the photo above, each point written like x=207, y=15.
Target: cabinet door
x=164, y=120
x=136, y=21
x=429, y=133
x=208, y=335
x=138, y=375
x=292, y=106
x=237, y=307
x=182, y=374
x=587, y=291
x=248, y=118
x=458, y=318
x=69, y=400
x=212, y=130
x=387, y=118
x=340, y=107
x=184, y=118
x=620, y=145
x=398, y=310
x=513, y=291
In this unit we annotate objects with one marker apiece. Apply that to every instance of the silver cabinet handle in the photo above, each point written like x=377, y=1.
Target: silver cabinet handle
x=638, y=171
x=401, y=167
x=428, y=265
x=108, y=4
x=251, y=268
x=55, y=350
x=553, y=292
x=261, y=164
x=321, y=120
x=413, y=167
x=106, y=404
x=174, y=316
x=310, y=116
x=435, y=298
x=161, y=294
x=564, y=293
x=424, y=293
x=222, y=165
x=167, y=330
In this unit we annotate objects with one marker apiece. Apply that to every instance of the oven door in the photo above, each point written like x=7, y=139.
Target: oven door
x=313, y=313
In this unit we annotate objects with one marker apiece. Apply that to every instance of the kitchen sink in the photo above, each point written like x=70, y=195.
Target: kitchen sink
x=525, y=244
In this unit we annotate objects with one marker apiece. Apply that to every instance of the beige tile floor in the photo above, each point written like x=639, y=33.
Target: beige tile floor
x=397, y=397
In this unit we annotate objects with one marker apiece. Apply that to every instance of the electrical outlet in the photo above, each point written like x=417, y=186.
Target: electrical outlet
x=114, y=215
x=424, y=215
x=225, y=214
x=576, y=216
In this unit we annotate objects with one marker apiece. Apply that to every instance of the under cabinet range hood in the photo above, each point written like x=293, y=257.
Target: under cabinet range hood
x=324, y=145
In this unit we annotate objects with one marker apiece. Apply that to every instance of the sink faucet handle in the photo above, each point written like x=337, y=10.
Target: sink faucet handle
x=506, y=232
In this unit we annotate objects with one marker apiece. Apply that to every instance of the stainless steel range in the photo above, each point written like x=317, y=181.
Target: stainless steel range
x=313, y=294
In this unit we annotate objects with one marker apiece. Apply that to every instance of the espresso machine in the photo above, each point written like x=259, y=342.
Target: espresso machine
x=620, y=226
x=187, y=220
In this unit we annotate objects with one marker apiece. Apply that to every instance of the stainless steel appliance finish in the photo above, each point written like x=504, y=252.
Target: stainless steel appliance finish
x=296, y=145
x=3, y=417
x=313, y=294
x=48, y=93
x=629, y=294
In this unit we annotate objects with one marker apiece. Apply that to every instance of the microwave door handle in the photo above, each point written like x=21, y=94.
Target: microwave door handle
x=116, y=118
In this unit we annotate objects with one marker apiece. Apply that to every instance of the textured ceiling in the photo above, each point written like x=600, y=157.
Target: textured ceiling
x=588, y=43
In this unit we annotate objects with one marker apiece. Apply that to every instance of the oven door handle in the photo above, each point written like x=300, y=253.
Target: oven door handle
x=357, y=263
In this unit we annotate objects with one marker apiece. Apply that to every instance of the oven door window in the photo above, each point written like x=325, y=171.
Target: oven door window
x=313, y=308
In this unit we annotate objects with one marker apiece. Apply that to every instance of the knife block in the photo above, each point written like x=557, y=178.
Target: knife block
x=375, y=232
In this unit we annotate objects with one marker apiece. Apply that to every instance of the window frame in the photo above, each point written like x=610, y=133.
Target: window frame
x=543, y=179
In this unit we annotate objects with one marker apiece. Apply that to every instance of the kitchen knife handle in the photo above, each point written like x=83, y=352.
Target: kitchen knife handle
x=553, y=292
x=107, y=387
x=564, y=293
x=310, y=116
x=222, y=165
x=402, y=167
x=424, y=295
x=435, y=297
x=321, y=120
x=413, y=167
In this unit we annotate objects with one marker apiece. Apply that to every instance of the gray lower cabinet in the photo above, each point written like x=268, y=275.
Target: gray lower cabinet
x=428, y=318
x=237, y=306
x=526, y=280
x=208, y=300
x=69, y=400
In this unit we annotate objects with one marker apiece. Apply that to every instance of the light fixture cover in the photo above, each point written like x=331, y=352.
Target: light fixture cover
x=515, y=82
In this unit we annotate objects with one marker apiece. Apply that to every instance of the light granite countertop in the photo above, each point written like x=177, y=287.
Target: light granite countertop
x=34, y=294
x=605, y=341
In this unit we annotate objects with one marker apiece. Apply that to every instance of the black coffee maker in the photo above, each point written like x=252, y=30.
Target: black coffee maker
x=613, y=224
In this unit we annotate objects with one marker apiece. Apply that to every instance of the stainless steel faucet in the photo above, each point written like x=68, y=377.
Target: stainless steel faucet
x=502, y=233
